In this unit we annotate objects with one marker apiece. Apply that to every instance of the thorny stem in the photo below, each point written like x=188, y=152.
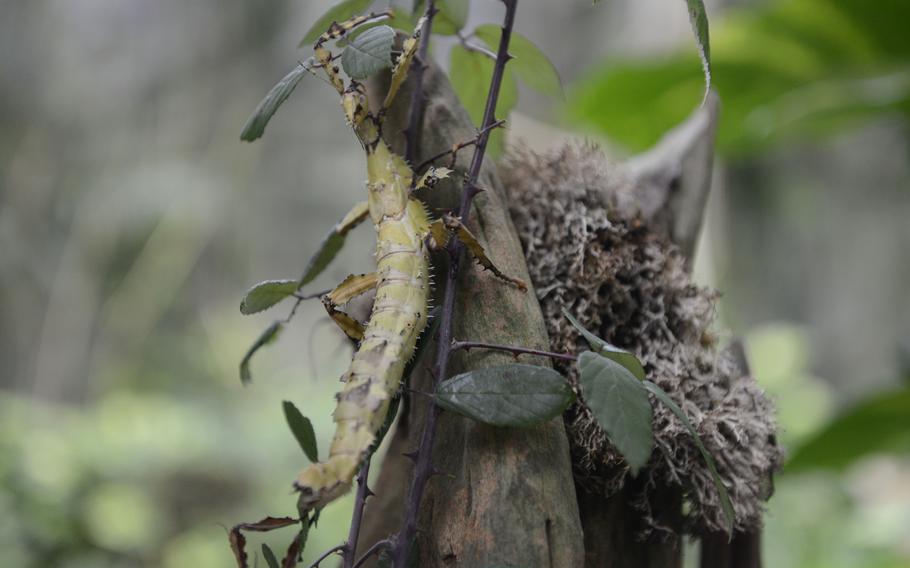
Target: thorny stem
x=471, y=47
x=423, y=468
x=420, y=66
x=300, y=298
x=326, y=554
x=377, y=547
x=456, y=148
x=350, y=547
x=513, y=349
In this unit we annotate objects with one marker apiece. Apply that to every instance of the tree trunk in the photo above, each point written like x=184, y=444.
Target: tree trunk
x=506, y=496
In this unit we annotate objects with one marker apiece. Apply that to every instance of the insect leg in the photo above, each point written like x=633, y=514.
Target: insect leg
x=432, y=176
x=454, y=225
x=354, y=217
x=403, y=65
x=351, y=287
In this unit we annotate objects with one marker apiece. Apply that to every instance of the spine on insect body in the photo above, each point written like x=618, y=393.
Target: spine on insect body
x=398, y=316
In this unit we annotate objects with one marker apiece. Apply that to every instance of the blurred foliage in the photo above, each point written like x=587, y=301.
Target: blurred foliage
x=784, y=69
x=131, y=220
x=858, y=517
x=145, y=479
x=879, y=424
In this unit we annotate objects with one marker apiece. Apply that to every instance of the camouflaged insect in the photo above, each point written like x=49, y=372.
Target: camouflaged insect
x=401, y=280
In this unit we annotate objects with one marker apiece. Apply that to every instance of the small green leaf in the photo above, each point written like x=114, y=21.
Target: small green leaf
x=403, y=20
x=530, y=64
x=368, y=53
x=326, y=252
x=303, y=430
x=269, y=556
x=725, y=502
x=470, y=73
x=698, y=17
x=267, y=336
x=338, y=13
x=508, y=395
x=621, y=356
x=620, y=404
x=266, y=294
x=256, y=123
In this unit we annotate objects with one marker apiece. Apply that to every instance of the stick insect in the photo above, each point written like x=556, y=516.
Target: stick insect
x=401, y=280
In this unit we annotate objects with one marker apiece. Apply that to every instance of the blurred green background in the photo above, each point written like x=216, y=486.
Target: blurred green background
x=132, y=219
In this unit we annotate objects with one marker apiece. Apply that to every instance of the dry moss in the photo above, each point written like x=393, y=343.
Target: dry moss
x=587, y=253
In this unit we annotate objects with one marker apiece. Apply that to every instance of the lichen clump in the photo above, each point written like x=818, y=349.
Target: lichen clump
x=631, y=286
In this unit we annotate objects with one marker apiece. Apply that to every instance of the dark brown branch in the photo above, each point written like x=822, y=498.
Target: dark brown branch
x=423, y=468
x=455, y=149
x=375, y=549
x=419, y=68
x=350, y=547
x=513, y=349
x=326, y=554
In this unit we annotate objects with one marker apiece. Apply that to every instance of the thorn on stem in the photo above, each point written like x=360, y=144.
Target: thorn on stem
x=411, y=455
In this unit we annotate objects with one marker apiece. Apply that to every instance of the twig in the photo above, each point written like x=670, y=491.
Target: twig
x=326, y=554
x=363, y=491
x=378, y=546
x=423, y=468
x=471, y=47
x=513, y=349
x=300, y=298
x=454, y=149
x=420, y=66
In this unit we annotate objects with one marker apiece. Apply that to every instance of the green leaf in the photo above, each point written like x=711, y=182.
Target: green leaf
x=266, y=294
x=451, y=17
x=256, y=123
x=530, y=64
x=725, y=502
x=508, y=395
x=338, y=13
x=403, y=20
x=368, y=53
x=303, y=430
x=328, y=249
x=470, y=73
x=269, y=556
x=878, y=424
x=621, y=356
x=824, y=65
x=267, y=336
x=698, y=17
x=620, y=404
